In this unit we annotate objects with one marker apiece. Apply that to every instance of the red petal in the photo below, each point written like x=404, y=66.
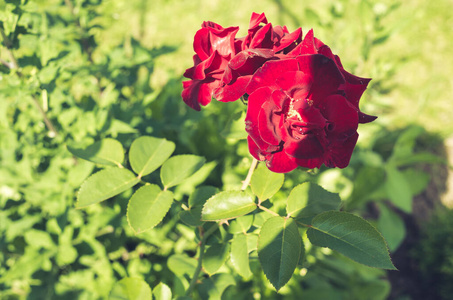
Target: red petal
x=295, y=80
x=256, y=19
x=364, y=118
x=248, y=61
x=197, y=92
x=262, y=38
x=267, y=123
x=232, y=91
x=339, y=152
x=307, y=147
x=326, y=76
x=310, y=163
x=280, y=162
x=289, y=41
x=341, y=115
x=267, y=74
x=254, y=150
x=255, y=102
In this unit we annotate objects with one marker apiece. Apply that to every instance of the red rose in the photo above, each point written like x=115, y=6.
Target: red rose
x=300, y=114
x=262, y=43
x=214, y=47
x=353, y=86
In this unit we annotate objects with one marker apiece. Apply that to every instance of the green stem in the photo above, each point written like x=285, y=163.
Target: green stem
x=267, y=209
x=14, y=65
x=194, y=279
x=246, y=182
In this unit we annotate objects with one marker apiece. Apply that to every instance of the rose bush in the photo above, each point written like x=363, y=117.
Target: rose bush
x=303, y=106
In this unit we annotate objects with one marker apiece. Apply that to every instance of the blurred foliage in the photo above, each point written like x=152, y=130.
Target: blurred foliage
x=433, y=255
x=98, y=69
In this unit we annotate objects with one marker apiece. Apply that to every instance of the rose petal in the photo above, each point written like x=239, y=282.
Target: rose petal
x=295, y=80
x=267, y=123
x=341, y=115
x=256, y=20
x=255, y=102
x=339, y=152
x=280, y=162
x=232, y=91
x=289, y=41
x=255, y=150
x=263, y=38
x=326, y=76
x=310, y=163
x=266, y=75
x=197, y=92
x=307, y=147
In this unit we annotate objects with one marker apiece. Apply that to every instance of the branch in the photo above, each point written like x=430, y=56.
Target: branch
x=194, y=279
x=13, y=65
x=246, y=182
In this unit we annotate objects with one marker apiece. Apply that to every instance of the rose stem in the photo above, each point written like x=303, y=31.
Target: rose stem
x=246, y=182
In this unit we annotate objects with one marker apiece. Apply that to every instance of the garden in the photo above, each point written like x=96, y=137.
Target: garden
x=215, y=149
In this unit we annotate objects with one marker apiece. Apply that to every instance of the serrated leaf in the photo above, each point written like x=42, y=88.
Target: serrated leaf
x=215, y=257
x=398, y=189
x=352, y=236
x=147, y=207
x=279, y=247
x=227, y=205
x=131, y=289
x=240, y=256
x=241, y=224
x=265, y=183
x=162, y=292
x=106, y=152
x=201, y=195
x=308, y=200
x=149, y=153
x=179, y=167
x=104, y=185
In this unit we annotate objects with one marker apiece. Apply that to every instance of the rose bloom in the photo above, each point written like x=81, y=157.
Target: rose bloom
x=303, y=110
x=224, y=64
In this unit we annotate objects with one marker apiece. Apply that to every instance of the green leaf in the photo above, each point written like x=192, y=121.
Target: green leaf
x=227, y=205
x=308, y=200
x=105, y=152
x=279, y=247
x=201, y=195
x=104, y=185
x=130, y=289
x=162, y=292
x=241, y=224
x=181, y=264
x=215, y=257
x=391, y=226
x=368, y=180
x=39, y=239
x=398, y=189
x=265, y=183
x=192, y=217
x=240, y=256
x=212, y=288
x=352, y=236
x=197, y=199
x=149, y=153
x=234, y=129
x=178, y=168
x=147, y=207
